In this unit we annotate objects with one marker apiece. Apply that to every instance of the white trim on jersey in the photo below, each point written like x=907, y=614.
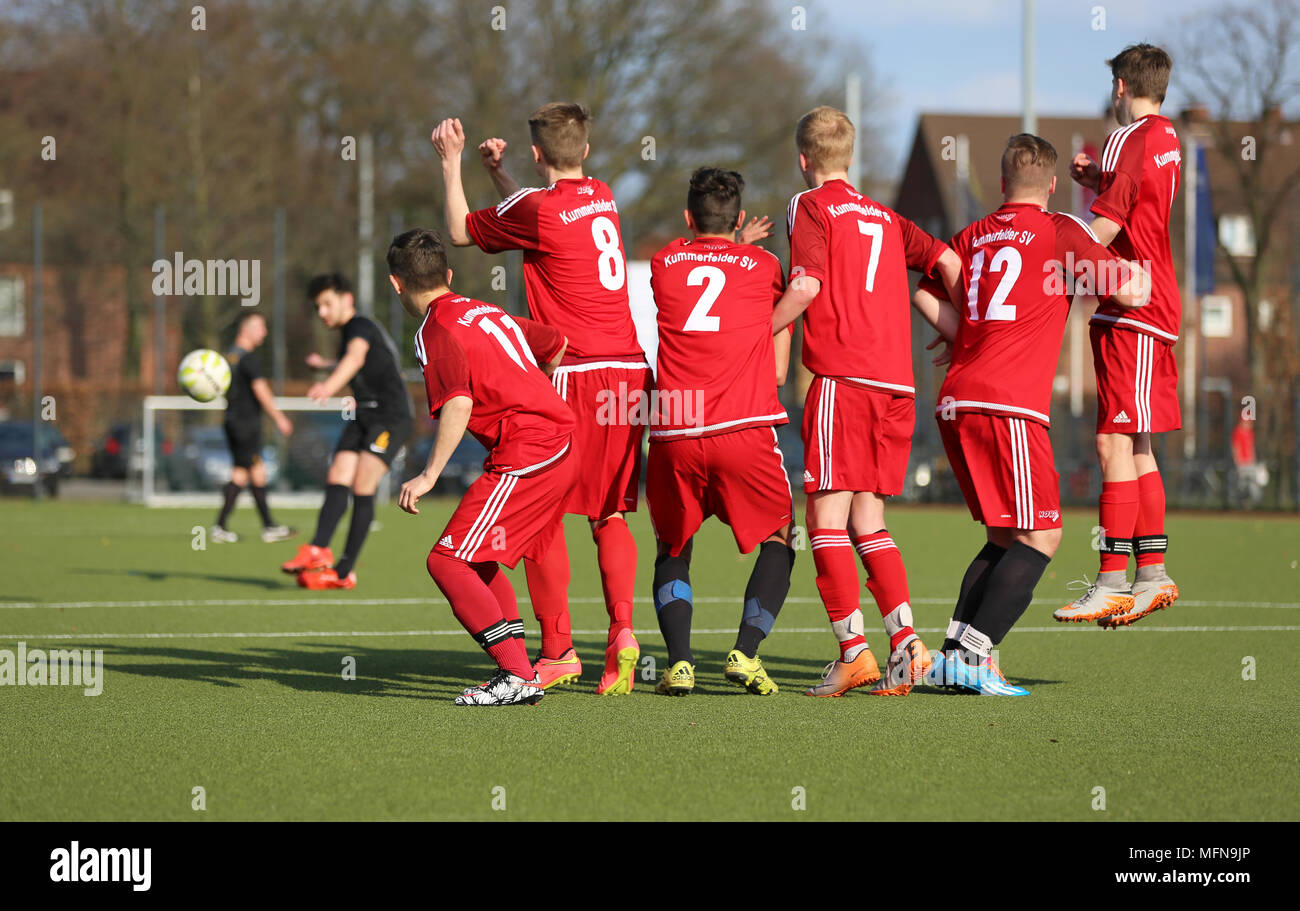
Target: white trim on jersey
x=825, y=430
x=1015, y=409
x=1021, y=475
x=793, y=210
x=1129, y=321
x=504, y=205
x=1110, y=157
x=491, y=511
x=600, y=365
x=421, y=354
x=759, y=420
x=780, y=460
x=1082, y=224
x=878, y=384
x=520, y=472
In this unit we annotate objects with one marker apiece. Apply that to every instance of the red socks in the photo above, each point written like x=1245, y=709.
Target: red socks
x=616, y=554
x=548, y=587
x=837, y=580
x=887, y=581
x=1149, y=531
x=1119, y=513
x=478, y=609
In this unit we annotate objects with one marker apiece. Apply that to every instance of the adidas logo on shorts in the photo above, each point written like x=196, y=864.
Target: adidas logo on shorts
x=446, y=541
x=1121, y=418
x=807, y=476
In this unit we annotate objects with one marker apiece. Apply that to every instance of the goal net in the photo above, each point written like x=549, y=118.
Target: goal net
x=183, y=458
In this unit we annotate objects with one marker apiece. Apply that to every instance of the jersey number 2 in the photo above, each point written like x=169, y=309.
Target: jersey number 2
x=713, y=279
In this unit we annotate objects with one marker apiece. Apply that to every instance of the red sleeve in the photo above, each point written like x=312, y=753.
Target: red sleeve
x=544, y=341
x=445, y=366
x=778, y=288
x=934, y=286
x=921, y=248
x=509, y=225
x=1096, y=269
x=1118, y=190
x=807, y=239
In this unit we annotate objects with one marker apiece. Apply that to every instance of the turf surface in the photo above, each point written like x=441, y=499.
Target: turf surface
x=221, y=673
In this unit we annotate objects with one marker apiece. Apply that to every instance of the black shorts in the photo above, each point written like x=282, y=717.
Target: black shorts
x=381, y=435
x=245, y=439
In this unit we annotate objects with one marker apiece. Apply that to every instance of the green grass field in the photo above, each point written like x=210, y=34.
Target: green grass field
x=221, y=673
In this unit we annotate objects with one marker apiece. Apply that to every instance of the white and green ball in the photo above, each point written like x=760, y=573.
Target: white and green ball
x=204, y=375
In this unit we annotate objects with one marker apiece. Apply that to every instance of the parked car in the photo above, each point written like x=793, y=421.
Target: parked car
x=205, y=455
x=121, y=452
x=26, y=460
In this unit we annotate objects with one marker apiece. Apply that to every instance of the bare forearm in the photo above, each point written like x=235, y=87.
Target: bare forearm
x=781, y=344
x=794, y=301
x=1105, y=230
x=456, y=208
x=504, y=183
x=937, y=312
x=452, y=422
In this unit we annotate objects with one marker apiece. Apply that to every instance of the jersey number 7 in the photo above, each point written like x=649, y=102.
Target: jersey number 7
x=498, y=334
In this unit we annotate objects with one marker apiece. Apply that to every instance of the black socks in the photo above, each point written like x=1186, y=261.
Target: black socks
x=336, y=503
x=764, y=595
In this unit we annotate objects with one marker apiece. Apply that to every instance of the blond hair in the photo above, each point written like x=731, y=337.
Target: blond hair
x=824, y=137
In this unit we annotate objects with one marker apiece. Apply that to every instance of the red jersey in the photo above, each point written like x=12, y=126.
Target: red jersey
x=468, y=347
x=716, y=366
x=1020, y=267
x=1140, y=170
x=575, y=273
x=858, y=328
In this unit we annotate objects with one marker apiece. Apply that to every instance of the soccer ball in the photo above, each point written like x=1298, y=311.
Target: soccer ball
x=204, y=375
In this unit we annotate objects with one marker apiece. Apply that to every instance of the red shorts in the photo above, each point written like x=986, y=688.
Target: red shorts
x=504, y=517
x=1005, y=468
x=611, y=425
x=1137, y=382
x=856, y=438
x=738, y=477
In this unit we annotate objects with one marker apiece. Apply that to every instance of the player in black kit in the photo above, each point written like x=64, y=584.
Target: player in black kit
x=249, y=395
x=368, y=361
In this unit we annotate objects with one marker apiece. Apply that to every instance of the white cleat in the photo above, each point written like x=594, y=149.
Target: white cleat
x=1097, y=602
x=504, y=689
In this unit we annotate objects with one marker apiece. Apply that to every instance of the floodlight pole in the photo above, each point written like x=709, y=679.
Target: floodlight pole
x=1028, y=120
x=37, y=343
x=1191, y=307
x=366, y=224
x=159, y=330
x=853, y=107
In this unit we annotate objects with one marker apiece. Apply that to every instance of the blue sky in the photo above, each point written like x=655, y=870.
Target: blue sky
x=964, y=55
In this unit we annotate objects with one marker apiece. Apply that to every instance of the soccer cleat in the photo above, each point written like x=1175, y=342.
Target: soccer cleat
x=907, y=666
x=1148, y=597
x=504, y=689
x=222, y=536
x=1097, y=602
x=620, y=662
x=678, y=680
x=273, y=533
x=309, y=557
x=984, y=679
x=320, y=579
x=748, y=672
x=839, y=677
x=558, y=671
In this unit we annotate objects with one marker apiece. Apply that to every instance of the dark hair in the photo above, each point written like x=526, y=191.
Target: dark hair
x=1029, y=162
x=559, y=130
x=418, y=258
x=1144, y=69
x=329, y=281
x=714, y=199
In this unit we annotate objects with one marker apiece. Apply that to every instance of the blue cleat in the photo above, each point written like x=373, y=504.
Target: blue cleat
x=949, y=670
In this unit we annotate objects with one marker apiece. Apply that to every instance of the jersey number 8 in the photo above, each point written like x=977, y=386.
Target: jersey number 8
x=610, y=262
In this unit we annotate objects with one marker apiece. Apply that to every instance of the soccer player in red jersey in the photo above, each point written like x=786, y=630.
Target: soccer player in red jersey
x=713, y=445
x=849, y=257
x=1021, y=267
x=575, y=277
x=481, y=372
x=1137, y=375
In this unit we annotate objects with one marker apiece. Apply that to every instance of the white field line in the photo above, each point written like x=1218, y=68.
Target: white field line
x=362, y=634
x=433, y=599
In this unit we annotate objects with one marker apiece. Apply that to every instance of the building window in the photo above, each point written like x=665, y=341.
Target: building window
x=12, y=315
x=1237, y=235
x=13, y=372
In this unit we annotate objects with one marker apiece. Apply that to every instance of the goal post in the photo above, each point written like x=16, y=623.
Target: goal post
x=184, y=458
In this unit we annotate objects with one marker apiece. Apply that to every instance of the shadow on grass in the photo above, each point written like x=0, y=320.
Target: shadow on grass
x=266, y=582
x=413, y=673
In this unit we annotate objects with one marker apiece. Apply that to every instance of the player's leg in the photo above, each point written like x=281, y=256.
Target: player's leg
x=338, y=488
x=765, y=594
x=676, y=487
x=673, y=602
x=478, y=609
x=257, y=479
x=837, y=582
x=1152, y=588
x=370, y=471
x=230, y=493
x=498, y=584
x=548, y=589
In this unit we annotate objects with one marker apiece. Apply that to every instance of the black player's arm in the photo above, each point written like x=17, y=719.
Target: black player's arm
x=453, y=419
x=262, y=392
x=354, y=358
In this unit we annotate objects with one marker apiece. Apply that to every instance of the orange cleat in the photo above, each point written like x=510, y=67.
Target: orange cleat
x=558, y=671
x=309, y=557
x=620, y=664
x=839, y=676
x=907, y=667
x=320, y=579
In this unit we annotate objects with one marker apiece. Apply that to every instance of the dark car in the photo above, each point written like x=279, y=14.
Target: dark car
x=205, y=455
x=26, y=460
x=121, y=452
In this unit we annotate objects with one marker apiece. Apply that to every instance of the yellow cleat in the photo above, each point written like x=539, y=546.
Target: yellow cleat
x=620, y=664
x=678, y=680
x=749, y=673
